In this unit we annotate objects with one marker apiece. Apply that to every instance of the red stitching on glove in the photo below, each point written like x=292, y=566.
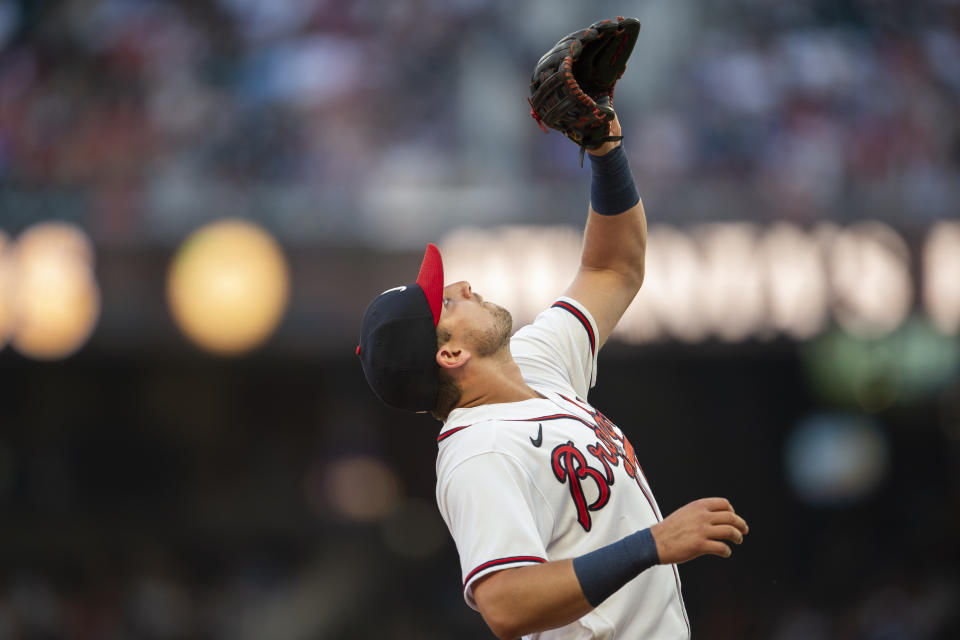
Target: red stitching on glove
x=623, y=41
x=533, y=112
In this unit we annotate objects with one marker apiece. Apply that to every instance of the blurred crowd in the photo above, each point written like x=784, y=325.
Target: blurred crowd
x=267, y=599
x=138, y=118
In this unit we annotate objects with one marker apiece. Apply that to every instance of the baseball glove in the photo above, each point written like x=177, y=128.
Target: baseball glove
x=572, y=85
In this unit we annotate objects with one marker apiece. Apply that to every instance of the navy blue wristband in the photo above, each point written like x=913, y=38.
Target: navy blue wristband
x=612, y=189
x=602, y=572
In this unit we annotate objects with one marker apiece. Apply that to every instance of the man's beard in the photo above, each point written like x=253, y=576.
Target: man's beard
x=494, y=339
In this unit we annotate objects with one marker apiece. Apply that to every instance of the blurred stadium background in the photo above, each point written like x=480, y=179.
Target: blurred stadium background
x=198, y=197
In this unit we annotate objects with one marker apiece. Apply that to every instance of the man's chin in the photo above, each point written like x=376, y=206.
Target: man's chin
x=502, y=315
x=496, y=339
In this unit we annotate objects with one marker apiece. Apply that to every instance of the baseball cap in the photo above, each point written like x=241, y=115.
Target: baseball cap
x=398, y=339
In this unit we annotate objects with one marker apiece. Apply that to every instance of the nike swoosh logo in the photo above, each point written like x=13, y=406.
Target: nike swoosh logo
x=539, y=440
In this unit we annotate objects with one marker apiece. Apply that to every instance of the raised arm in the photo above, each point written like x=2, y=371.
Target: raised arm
x=614, y=241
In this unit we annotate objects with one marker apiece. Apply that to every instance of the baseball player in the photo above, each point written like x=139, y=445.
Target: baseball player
x=555, y=523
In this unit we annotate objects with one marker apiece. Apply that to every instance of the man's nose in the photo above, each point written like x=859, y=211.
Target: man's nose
x=461, y=289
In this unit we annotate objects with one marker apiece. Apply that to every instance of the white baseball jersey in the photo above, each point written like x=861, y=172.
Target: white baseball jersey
x=552, y=478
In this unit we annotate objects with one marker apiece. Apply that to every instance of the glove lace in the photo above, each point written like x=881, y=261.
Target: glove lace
x=536, y=116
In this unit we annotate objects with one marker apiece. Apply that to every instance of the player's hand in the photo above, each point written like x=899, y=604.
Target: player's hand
x=608, y=146
x=698, y=528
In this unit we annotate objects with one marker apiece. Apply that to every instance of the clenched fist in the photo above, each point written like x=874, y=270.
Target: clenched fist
x=698, y=528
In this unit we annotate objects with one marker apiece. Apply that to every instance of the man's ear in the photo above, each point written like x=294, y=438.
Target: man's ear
x=451, y=357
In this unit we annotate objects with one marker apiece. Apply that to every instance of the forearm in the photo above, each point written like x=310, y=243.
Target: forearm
x=616, y=243
x=616, y=232
x=546, y=596
x=538, y=597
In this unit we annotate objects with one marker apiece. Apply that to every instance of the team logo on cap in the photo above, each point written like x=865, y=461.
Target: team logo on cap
x=402, y=287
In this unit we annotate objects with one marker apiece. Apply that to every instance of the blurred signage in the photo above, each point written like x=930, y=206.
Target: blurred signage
x=733, y=281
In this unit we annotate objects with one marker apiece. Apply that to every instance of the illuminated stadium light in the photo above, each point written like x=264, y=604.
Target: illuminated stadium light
x=462, y=251
x=228, y=286
x=639, y=324
x=796, y=283
x=56, y=241
x=490, y=260
x=869, y=264
x=914, y=362
x=669, y=302
x=6, y=289
x=733, y=285
x=547, y=260
x=357, y=487
x=56, y=300
x=941, y=277
x=733, y=281
x=836, y=459
x=488, y=272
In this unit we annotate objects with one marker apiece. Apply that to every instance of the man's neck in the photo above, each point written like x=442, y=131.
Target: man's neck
x=494, y=380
